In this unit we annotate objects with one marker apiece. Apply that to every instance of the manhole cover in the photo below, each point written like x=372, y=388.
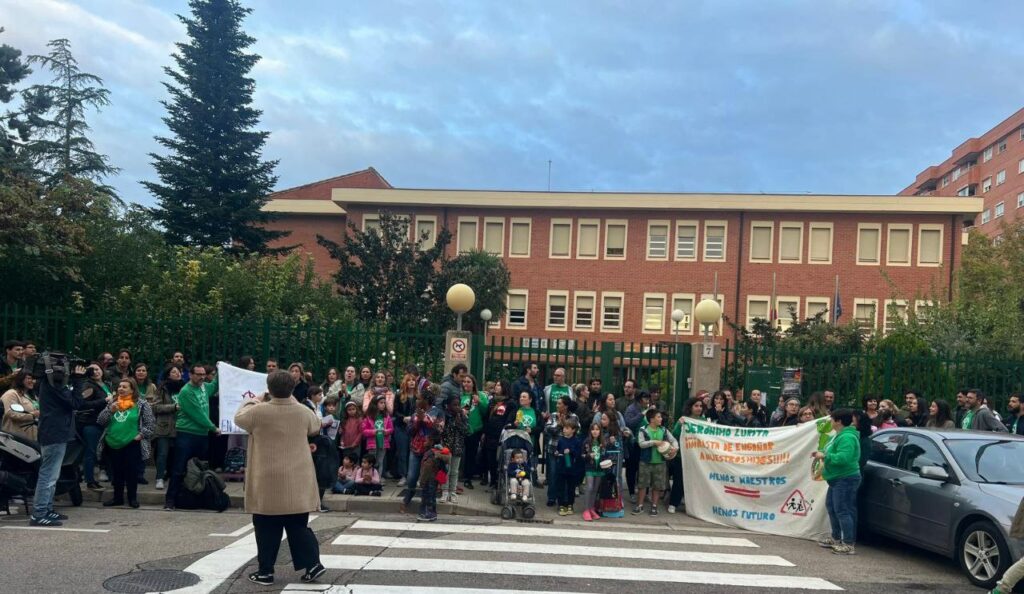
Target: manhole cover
x=156, y=580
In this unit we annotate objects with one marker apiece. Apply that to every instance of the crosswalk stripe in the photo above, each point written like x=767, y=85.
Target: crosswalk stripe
x=521, y=530
x=542, y=548
x=372, y=589
x=591, y=572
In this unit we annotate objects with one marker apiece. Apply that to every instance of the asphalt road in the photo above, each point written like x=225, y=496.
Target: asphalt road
x=395, y=554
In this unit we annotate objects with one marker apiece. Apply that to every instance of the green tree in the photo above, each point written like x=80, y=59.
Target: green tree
x=387, y=275
x=213, y=179
x=18, y=120
x=486, y=274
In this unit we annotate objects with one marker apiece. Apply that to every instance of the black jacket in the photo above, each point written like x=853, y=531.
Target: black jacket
x=95, y=400
x=57, y=406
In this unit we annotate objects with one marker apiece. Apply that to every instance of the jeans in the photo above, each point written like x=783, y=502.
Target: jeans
x=186, y=447
x=162, y=447
x=49, y=472
x=453, y=476
x=552, y=477
x=345, y=487
x=302, y=543
x=841, y=502
x=401, y=444
x=91, y=434
x=412, y=477
x=428, y=500
x=124, y=470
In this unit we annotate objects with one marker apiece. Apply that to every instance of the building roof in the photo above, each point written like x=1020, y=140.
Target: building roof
x=315, y=197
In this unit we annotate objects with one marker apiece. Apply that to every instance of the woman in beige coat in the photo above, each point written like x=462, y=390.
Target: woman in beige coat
x=280, y=485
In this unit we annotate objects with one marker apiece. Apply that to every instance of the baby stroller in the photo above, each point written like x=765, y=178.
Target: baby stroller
x=510, y=441
x=609, y=497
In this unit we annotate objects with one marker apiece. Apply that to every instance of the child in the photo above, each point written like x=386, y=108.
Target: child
x=315, y=399
x=593, y=453
x=351, y=434
x=346, y=484
x=453, y=437
x=886, y=420
x=330, y=424
x=377, y=430
x=651, y=474
x=367, y=478
x=568, y=455
x=433, y=471
x=518, y=473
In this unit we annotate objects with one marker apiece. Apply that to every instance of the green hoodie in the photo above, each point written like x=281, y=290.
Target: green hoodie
x=476, y=413
x=194, y=409
x=842, y=455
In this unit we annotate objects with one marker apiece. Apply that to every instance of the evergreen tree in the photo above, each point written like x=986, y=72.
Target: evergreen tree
x=213, y=181
x=19, y=120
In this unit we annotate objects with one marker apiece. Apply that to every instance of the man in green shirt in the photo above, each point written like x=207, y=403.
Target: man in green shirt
x=554, y=392
x=193, y=426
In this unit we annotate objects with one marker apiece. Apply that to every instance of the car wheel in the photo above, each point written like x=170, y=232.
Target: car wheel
x=983, y=554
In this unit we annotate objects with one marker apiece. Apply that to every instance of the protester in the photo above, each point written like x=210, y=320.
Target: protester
x=377, y=430
x=978, y=417
x=720, y=411
x=758, y=411
x=528, y=382
x=332, y=383
x=634, y=417
x=405, y=408
x=474, y=402
x=500, y=413
x=593, y=454
x=57, y=405
x=346, y=483
x=129, y=425
x=841, y=470
x=96, y=394
x=819, y=406
x=298, y=373
x=870, y=403
x=961, y=406
x=940, y=416
x=14, y=350
x=271, y=365
x=1013, y=416
x=351, y=389
x=434, y=470
x=653, y=453
x=453, y=438
x=421, y=431
x=350, y=437
x=553, y=432
x=367, y=479
x=122, y=368
x=165, y=407
x=568, y=457
x=791, y=414
x=192, y=426
x=806, y=415
x=628, y=395
x=279, y=493
x=366, y=377
x=22, y=423
x=915, y=412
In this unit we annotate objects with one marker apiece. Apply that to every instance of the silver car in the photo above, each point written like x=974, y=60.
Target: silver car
x=952, y=492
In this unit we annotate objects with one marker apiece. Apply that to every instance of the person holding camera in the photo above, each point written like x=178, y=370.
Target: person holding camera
x=57, y=404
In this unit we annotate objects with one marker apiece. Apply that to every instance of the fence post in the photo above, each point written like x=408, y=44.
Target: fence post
x=476, y=358
x=607, y=365
x=681, y=365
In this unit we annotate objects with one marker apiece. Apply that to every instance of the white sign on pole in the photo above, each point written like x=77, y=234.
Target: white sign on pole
x=234, y=385
x=460, y=348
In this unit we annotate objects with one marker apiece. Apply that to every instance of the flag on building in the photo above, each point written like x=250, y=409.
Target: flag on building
x=837, y=309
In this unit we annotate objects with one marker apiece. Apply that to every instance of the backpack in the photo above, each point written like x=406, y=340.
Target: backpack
x=211, y=496
x=234, y=461
x=194, y=470
x=325, y=461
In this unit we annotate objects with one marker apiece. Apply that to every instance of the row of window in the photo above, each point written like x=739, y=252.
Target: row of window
x=999, y=147
x=865, y=311
x=1000, y=209
x=899, y=244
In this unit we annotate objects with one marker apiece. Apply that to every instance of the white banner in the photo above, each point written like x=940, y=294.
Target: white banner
x=756, y=479
x=234, y=384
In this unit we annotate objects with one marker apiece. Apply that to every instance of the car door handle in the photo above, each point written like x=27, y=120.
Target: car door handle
x=895, y=482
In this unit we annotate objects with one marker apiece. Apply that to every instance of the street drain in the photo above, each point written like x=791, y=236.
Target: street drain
x=156, y=580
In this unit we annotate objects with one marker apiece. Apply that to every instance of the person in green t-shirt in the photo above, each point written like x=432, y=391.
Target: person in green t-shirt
x=130, y=424
x=526, y=417
x=651, y=474
x=474, y=402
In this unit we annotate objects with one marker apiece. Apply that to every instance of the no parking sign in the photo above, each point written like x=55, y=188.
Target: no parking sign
x=459, y=348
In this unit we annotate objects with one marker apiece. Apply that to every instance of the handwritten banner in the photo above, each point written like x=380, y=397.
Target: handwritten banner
x=234, y=383
x=755, y=479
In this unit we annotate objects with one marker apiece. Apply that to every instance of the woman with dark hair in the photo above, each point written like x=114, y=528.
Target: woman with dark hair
x=147, y=391
x=864, y=429
x=298, y=373
x=24, y=423
x=719, y=412
x=332, y=383
x=870, y=404
x=501, y=411
x=165, y=409
x=352, y=390
x=247, y=362
x=940, y=416
x=916, y=412
x=129, y=425
x=121, y=369
x=841, y=470
x=693, y=408
x=366, y=377
x=818, y=405
x=474, y=402
x=790, y=415
x=96, y=395
x=607, y=406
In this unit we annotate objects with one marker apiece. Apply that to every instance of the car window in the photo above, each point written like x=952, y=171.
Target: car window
x=918, y=452
x=990, y=460
x=884, y=447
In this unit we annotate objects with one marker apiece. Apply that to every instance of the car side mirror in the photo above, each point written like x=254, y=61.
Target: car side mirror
x=936, y=473
x=17, y=408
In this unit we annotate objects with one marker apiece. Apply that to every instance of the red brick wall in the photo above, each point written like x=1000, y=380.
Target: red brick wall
x=304, y=229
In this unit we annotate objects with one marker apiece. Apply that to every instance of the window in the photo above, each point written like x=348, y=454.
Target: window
x=1001, y=177
x=371, y=223
x=1020, y=200
x=923, y=309
x=585, y=301
x=426, y=231
x=761, y=233
x=1000, y=209
x=929, y=245
x=561, y=238
x=611, y=312
x=558, y=304
x=1002, y=147
x=587, y=238
x=1020, y=166
x=714, y=240
x=815, y=306
x=884, y=448
x=467, y=233
x=516, y=305
x=684, y=303
x=986, y=216
x=654, y=314
x=919, y=452
x=785, y=305
x=494, y=236
x=519, y=238
x=986, y=184
x=967, y=191
x=719, y=325
x=657, y=240
x=895, y=309
x=791, y=243
x=898, y=245
x=987, y=155
x=821, y=243
x=865, y=313
x=945, y=180
x=615, y=239
x=757, y=308
x=869, y=243
x=686, y=241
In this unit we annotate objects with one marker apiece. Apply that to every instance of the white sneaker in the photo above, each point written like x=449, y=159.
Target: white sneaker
x=453, y=498
x=103, y=476
x=671, y=509
x=401, y=482
x=159, y=484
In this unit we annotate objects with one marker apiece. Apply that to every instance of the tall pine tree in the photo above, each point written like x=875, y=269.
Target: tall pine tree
x=213, y=181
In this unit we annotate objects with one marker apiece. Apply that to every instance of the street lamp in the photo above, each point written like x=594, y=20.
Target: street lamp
x=708, y=313
x=460, y=299
x=677, y=316
x=485, y=315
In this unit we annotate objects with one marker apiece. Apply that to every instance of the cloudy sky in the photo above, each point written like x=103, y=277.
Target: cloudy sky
x=821, y=96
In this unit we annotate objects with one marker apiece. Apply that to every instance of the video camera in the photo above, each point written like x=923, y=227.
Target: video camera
x=55, y=367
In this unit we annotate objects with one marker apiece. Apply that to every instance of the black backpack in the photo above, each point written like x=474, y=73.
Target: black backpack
x=325, y=461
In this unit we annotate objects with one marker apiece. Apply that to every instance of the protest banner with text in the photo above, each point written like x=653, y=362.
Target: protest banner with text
x=236, y=384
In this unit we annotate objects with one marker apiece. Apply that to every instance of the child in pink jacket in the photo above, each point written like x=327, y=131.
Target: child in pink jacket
x=377, y=430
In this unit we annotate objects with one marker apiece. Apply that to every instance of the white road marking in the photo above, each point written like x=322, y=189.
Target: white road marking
x=236, y=533
x=54, y=529
x=588, y=572
x=663, y=537
x=543, y=548
x=368, y=589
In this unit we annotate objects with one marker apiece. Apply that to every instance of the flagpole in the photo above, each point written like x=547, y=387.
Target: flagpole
x=835, y=298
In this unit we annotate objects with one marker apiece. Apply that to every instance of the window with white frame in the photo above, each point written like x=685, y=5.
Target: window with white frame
x=426, y=231
x=923, y=309
x=820, y=251
x=520, y=238
x=945, y=180
x=584, y=310
x=966, y=190
x=468, y=233
x=761, y=239
x=929, y=245
x=657, y=240
x=719, y=325
x=898, y=245
x=817, y=305
x=757, y=309
x=714, y=240
x=1000, y=209
x=869, y=243
x=611, y=312
x=516, y=306
x=987, y=155
x=561, y=238
x=1020, y=166
x=494, y=236
x=986, y=216
x=684, y=303
x=788, y=309
x=895, y=310
x=686, y=241
x=587, y=238
x=1001, y=177
x=791, y=243
x=865, y=314
x=1002, y=147
x=986, y=184
x=371, y=223
x=654, y=314
x=557, y=313
x=615, y=239
x=1020, y=200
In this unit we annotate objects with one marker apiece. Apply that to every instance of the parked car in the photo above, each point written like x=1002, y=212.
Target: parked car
x=952, y=492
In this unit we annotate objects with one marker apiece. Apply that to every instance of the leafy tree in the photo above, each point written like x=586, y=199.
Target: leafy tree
x=486, y=274
x=387, y=275
x=213, y=181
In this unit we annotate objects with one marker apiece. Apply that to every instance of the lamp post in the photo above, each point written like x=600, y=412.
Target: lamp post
x=708, y=313
x=707, y=366
x=677, y=316
x=485, y=315
x=460, y=299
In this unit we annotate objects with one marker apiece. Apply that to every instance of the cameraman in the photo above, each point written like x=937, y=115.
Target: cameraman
x=57, y=403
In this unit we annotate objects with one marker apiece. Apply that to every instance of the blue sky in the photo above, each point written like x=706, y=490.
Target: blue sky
x=852, y=96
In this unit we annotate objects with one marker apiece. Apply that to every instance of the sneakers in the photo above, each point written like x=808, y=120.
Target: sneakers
x=45, y=521
x=828, y=542
x=588, y=515
x=263, y=579
x=843, y=549
x=671, y=509
x=563, y=510
x=114, y=502
x=654, y=510
x=94, y=486
x=426, y=516
x=56, y=516
x=401, y=482
x=638, y=509
x=468, y=484
x=159, y=484
x=313, y=573
x=103, y=478
x=452, y=498
x=324, y=509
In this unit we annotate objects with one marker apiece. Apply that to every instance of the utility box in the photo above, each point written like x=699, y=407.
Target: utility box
x=774, y=382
